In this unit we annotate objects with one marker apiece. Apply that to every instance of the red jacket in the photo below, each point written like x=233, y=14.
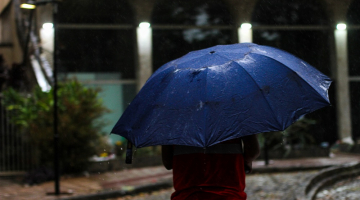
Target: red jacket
x=215, y=174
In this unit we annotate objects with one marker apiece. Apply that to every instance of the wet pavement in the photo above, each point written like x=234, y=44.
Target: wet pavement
x=348, y=189
x=125, y=179
x=278, y=180
x=276, y=186
x=264, y=186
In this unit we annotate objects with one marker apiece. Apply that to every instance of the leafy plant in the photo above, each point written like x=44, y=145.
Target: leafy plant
x=79, y=110
x=296, y=135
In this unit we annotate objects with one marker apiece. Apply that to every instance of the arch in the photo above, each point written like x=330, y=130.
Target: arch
x=241, y=10
x=289, y=12
x=96, y=12
x=175, y=41
x=199, y=12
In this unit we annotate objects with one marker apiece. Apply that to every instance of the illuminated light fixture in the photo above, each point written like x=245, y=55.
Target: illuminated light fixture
x=246, y=26
x=341, y=26
x=144, y=25
x=47, y=25
x=27, y=6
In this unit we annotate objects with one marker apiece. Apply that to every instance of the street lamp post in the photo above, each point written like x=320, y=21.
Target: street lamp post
x=26, y=46
x=56, y=133
x=32, y=5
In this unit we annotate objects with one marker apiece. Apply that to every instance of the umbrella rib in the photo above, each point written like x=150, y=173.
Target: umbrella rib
x=258, y=87
x=262, y=93
x=205, y=124
x=179, y=60
x=282, y=64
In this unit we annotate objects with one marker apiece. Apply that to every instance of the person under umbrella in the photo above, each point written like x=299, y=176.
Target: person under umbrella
x=217, y=172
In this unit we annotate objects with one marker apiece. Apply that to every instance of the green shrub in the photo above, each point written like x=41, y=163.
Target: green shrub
x=79, y=109
x=297, y=135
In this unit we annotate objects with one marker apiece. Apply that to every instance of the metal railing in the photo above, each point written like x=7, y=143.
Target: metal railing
x=16, y=153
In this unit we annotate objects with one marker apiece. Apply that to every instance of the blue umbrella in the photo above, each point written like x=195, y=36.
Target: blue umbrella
x=220, y=93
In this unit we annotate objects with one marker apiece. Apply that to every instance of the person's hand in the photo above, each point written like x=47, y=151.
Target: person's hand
x=248, y=167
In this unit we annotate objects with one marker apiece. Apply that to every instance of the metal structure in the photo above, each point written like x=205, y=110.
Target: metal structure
x=16, y=152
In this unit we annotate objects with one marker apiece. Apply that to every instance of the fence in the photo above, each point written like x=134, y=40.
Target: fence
x=16, y=153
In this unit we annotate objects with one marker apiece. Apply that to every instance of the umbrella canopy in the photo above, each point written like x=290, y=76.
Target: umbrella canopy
x=220, y=93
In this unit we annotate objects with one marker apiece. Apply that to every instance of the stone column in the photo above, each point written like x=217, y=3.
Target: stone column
x=336, y=11
x=143, y=11
x=342, y=87
x=47, y=38
x=245, y=33
x=241, y=12
x=144, y=47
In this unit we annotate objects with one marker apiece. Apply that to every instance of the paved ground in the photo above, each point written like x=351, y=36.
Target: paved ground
x=258, y=184
x=347, y=189
x=92, y=184
x=263, y=186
